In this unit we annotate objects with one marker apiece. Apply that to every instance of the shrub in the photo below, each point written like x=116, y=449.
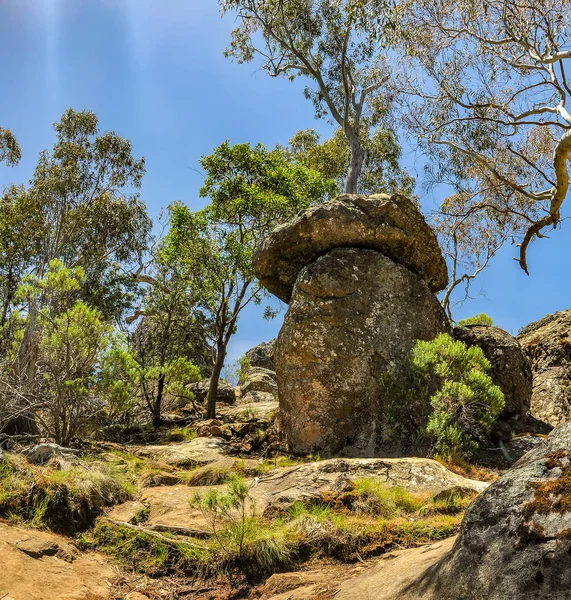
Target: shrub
x=464, y=399
x=481, y=319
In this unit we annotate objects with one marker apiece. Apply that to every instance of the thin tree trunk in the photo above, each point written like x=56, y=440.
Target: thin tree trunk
x=214, y=379
x=355, y=164
x=158, y=401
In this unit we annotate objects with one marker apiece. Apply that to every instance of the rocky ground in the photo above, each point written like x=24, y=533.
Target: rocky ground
x=91, y=561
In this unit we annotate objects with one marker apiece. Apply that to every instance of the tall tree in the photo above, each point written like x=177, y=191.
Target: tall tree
x=331, y=44
x=251, y=191
x=381, y=172
x=82, y=209
x=489, y=90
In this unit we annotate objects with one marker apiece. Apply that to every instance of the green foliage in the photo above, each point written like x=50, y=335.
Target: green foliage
x=63, y=495
x=338, y=48
x=464, y=399
x=126, y=379
x=71, y=337
x=230, y=515
x=381, y=170
x=252, y=190
x=480, y=319
x=10, y=152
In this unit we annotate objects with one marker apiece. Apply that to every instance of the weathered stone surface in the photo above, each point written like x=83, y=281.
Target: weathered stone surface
x=510, y=367
x=262, y=355
x=258, y=379
x=41, y=453
x=394, y=574
x=257, y=397
x=200, y=451
x=515, y=539
x=547, y=343
x=37, y=565
x=390, y=224
x=279, y=489
x=263, y=410
x=226, y=393
x=353, y=319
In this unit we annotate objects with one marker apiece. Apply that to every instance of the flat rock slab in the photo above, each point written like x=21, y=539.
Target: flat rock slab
x=170, y=507
x=200, y=451
x=390, y=224
x=282, y=487
x=259, y=410
x=394, y=576
x=37, y=565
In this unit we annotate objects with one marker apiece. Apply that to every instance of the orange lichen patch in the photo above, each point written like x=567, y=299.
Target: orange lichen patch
x=565, y=533
x=553, y=495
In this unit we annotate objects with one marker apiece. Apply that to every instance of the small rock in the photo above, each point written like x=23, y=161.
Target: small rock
x=41, y=453
x=136, y=596
x=259, y=379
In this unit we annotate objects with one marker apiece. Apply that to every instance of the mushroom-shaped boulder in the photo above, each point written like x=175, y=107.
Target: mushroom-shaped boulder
x=390, y=224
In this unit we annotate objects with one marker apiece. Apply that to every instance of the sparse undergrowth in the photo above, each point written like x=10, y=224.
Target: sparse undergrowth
x=366, y=521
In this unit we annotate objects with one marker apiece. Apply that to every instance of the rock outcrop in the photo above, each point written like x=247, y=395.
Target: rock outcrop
x=259, y=379
x=510, y=367
x=515, y=539
x=547, y=343
x=359, y=274
x=262, y=355
x=390, y=224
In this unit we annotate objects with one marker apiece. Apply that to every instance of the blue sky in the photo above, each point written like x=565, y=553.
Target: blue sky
x=154, y=72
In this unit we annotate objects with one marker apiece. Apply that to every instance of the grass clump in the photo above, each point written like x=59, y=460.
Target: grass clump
x=140, y=551
x=180, y=434
x=64, y=495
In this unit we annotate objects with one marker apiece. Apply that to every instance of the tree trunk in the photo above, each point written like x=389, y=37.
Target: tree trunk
x=355, y=164
x=214, y=379
x=158, y=401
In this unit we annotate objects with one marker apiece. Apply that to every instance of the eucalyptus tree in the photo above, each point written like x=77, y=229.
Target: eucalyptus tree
x=488, y=101
x=10, y=152
x=381, y=172
x=334, y=45
x=82, y=209
x=251, y=190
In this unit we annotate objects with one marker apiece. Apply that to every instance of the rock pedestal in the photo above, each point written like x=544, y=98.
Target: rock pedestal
x=359, y=274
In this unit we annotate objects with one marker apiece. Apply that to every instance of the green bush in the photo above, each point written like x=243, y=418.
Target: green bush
x=481, y=319
x=464, y=399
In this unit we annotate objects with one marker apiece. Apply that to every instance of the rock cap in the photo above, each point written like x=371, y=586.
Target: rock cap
x=390, y=224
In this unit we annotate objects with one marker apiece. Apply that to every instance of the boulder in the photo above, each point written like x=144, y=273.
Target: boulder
x=390, y=224
x=281, y=488
x=510, y=367
x=226, y=393
x=262, y=355
x=199, y=451
x=547, y=343
x=258, y=379
x=41, y=453
x=515, y=539
x=261, y=397
x=342, y=353
x=263, y=411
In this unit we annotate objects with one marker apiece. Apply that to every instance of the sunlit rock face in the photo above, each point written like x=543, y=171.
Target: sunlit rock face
x=354, y=316
x=360, y=275
x=547, y=343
